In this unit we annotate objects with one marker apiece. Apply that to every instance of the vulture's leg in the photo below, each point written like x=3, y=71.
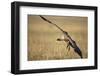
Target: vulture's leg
x=68, y=47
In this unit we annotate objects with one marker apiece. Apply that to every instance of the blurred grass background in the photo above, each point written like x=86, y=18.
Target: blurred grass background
x=42, y=37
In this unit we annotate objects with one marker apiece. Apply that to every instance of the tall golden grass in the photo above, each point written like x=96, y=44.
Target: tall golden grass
x=42, y=37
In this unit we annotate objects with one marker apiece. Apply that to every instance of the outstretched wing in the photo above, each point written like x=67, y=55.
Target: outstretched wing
x=51, y=23
x=46, y=19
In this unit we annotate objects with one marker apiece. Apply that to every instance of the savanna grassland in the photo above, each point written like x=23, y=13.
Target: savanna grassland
x=42, y=37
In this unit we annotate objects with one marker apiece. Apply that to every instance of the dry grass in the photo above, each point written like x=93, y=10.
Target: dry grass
x=42, y=44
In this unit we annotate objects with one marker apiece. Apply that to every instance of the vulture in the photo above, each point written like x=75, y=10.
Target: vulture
x=67, y=38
